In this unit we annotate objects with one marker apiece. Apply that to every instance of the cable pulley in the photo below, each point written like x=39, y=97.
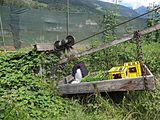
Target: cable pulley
x=65, y=44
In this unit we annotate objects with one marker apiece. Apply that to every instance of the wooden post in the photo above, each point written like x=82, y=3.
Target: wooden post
x=67, y=17
x=2, y=34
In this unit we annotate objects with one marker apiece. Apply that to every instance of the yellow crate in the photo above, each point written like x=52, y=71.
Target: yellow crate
x=117, y=72
x=133, y=69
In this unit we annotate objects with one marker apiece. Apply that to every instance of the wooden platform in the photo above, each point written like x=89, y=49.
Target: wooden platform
x=128, y=84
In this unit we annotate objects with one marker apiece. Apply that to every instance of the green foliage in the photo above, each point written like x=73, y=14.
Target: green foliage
x=23, y=93
x=142, y=105
x=97, y=76
x=108, y=21
x=153, y=19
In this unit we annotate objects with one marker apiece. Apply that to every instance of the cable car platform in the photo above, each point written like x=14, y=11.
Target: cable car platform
x=146, y=82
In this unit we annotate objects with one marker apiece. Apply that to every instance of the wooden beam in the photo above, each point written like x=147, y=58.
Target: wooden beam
x=129, y=84
x=115, y=42
x=44, y=46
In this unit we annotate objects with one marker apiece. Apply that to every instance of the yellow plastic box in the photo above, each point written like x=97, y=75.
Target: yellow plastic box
x=133, y=69
x=117, y=72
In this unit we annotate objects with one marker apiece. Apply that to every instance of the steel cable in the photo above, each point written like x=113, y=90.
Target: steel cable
x=113, y=27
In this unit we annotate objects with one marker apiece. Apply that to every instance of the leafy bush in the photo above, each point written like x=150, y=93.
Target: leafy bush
x=24, y=94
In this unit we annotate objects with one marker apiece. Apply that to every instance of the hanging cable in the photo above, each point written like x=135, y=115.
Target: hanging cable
x=114, y=26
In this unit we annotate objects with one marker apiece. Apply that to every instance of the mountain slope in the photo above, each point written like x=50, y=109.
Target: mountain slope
x=91, y=6
x=141, y=10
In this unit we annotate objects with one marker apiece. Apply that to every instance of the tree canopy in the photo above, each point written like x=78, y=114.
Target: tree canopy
x=24, y=3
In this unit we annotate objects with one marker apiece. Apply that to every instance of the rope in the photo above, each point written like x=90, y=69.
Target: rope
x=140, y=56
x=113, y=27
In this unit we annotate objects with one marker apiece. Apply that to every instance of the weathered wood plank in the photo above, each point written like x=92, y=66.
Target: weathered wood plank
x=115, y=42
x=44, y=46
x=106, y=86
x=67, y=79
x=128, y=84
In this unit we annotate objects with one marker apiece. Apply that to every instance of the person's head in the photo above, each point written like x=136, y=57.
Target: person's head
x=78, y=66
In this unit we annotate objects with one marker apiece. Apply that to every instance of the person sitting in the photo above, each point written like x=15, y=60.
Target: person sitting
x=78, y=72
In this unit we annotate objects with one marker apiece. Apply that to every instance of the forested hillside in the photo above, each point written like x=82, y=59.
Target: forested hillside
x=89, y=6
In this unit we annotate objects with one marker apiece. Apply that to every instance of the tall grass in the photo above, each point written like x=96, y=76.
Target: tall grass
x=136, y=105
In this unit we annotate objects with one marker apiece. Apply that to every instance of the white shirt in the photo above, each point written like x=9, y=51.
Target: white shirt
x=78, y=76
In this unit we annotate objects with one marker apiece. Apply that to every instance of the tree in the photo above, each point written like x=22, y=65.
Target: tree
x=108, y=21
x=153, y=19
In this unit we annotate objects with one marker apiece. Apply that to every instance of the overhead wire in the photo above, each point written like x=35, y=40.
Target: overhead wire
x=114, y=26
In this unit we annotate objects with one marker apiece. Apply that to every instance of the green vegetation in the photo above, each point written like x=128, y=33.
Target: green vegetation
x=153, y=19
x=26, y=95
x=97, y=76
x=23, y=94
